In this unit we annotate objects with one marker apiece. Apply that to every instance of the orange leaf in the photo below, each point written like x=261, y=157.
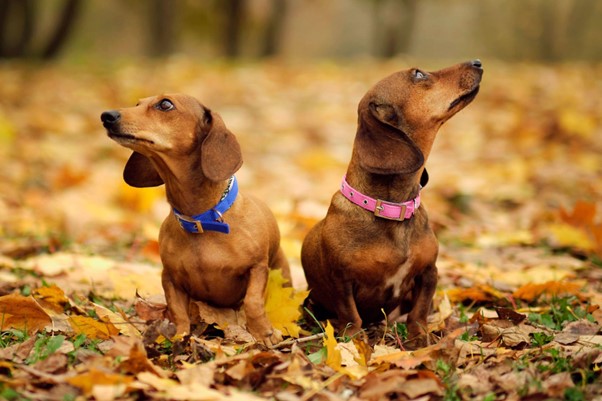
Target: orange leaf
x=52, y=298
x=530, y=292
x=583, y=214
x=92, y=328
x=481, y=293
x=22, y=313
x=93, y=377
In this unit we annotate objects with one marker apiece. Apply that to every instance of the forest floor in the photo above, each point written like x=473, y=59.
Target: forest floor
x=514, y=198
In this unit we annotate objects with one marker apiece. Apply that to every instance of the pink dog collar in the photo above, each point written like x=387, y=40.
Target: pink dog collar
x=380, y=208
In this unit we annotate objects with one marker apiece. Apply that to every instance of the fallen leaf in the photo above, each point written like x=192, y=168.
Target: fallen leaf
x=530, y=292
x=108, y=316
x=283, y=304
x=149, y=309
x=333, y=354
x=22, y=313
x=92, y=328
x=171, y=389
x=51, y=297
x=94, y=377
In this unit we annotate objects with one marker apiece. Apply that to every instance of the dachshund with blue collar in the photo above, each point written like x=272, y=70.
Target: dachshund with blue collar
x=375, y=252
x=216, y=245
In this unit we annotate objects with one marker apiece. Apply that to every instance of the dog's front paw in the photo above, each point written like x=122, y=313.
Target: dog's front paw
x=265, y=334
x=272, y=338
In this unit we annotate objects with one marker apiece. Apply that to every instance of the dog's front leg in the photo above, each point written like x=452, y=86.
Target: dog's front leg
x=349, y=320
x=177, y=304
x=258, y=323
x=424, y=289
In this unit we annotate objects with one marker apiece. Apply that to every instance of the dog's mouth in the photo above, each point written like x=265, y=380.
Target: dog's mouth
x=465, y=98
x=122, y=137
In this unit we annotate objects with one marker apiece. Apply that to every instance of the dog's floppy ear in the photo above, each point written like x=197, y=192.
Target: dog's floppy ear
x=139, y=172
x=381, y=145
x=220, y=152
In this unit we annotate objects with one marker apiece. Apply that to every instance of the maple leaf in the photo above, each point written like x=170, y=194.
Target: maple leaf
x=333, y=354
x=578, y=228
x=283, y=304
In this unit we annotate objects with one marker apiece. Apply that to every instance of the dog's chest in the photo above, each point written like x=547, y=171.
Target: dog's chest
x=207, y=271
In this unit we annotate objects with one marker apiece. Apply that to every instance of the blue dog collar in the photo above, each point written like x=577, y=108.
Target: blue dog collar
x=211, y=220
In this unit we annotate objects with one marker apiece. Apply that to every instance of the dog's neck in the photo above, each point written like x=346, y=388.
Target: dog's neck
x=187, y=189
x=395, y=188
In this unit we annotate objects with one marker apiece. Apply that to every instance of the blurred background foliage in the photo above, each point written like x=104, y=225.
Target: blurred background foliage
x=534, y=30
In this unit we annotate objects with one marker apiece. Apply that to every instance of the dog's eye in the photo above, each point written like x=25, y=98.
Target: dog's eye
x=419, y=75
x=165, y=105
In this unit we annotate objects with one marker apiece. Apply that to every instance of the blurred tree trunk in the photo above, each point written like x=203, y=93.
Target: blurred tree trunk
x=63, y=29
x=540, y=29
x=18, y=23
x=16, y=27
x=162, y=32
x=274, y=28
x=393, y=25
x=234, y=12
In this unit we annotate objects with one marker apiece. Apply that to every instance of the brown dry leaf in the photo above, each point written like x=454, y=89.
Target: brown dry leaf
x=231, y=321
x=406, y=360
x=197, y=373
x=138, y=361
x=92, y=328
x=22, y=313
x=149, y=309
x=530, y=292
x=18, y=352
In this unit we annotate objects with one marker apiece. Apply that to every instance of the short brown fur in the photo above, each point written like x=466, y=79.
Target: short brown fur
x=189, y=148
x=356, y=264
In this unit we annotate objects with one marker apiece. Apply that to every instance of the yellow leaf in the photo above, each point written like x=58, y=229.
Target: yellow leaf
x=7, y=132
x=339, y=354
x=52, y=298
x=333, y=354
x=139, y=199
x=22, y=313
x=87, y=381
x=124, y=327
x=92, y=328
x=577, y=123
x=566, y=235
x=283, y=304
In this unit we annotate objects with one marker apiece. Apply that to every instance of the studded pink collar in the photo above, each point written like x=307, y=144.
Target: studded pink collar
x=381, y=208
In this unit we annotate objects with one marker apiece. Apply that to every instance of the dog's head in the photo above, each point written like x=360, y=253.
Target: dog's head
x=168, y=128
x=398, y=117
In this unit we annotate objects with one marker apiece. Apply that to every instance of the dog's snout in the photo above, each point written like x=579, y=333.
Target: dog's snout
x=476, y=63
x=110, y=117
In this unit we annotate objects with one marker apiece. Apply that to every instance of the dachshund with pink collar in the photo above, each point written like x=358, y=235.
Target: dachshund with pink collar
x=375, y=251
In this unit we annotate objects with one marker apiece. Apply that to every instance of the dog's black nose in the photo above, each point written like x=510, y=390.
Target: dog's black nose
x=110, y=117
x=476, y=63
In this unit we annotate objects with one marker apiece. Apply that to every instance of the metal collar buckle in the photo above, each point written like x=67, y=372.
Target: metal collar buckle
x=380, y=208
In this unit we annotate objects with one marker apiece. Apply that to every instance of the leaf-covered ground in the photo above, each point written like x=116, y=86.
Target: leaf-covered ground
x=514, y=197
